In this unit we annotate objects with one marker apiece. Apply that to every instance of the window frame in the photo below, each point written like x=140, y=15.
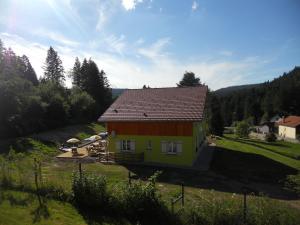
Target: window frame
x=127, y=145
x=149, y=145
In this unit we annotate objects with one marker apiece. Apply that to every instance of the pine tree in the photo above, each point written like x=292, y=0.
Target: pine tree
x=53, y=67
x=27, y=70
x=76, y=74
x=215, y=120
x=189, y=79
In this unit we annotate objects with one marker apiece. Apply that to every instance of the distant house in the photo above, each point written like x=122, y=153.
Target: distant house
x=269, y=126
x=289, y=127
x=264, y=128
x=164, y=124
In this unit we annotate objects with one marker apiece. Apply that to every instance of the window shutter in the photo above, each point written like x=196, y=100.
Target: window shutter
x=179, y=147
x=118, y=145
x=132, y=145
x=164, y=146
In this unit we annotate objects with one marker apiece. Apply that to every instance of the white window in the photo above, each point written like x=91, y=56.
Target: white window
x=125, y=145
x=171, y=147
x=149, y=145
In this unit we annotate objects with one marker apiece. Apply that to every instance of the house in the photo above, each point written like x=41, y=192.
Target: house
x=269, y=126
x=289, y=127
x=165, y=124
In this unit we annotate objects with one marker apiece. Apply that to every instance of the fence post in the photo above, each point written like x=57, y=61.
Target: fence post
x=245, y=207
x=40, y=172
x=182, y=194
x=80, y=170
x=172, y=206
x=36, y=180
x=129, y=177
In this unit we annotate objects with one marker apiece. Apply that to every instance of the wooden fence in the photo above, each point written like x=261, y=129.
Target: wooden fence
x=122, y=157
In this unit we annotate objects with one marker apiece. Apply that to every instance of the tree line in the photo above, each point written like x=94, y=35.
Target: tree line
x=29, y=105
x=259, y=104
x=253, y=106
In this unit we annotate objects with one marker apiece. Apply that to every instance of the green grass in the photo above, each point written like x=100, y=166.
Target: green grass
x=253, y=159
x=24, y=208
x=236, y=158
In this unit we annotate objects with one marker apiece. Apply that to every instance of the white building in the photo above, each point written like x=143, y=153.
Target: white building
x=289, y=127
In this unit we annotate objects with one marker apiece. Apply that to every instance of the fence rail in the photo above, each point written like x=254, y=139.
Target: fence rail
x=124, y=157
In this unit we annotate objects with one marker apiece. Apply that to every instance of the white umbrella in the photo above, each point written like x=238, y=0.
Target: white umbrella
x=73, y=141
x=95, y=137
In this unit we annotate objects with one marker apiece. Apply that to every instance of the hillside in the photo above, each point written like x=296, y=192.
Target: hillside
x=230, y=89
x=259, y=102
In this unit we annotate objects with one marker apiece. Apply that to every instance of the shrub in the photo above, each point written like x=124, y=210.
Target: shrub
x=141, y=202
x=210, y=210
x=242, y=129
x=90, y=191
x=270, y=137
x=293, y=183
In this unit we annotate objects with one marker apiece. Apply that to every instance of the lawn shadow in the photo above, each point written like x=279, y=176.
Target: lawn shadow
x=230, y=171
x=15, y=200
x=92, y=216
x=18, y=144
x=60, y=135
x=41, y=211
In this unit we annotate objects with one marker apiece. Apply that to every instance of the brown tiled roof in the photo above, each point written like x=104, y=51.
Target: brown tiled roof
x=158, y=104
x=290, y=121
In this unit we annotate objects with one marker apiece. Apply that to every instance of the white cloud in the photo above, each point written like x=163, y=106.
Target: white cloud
x=155, y=52
x=106, y=9
x=130, y=4
x=102, y=18
x=125, y=72
x=116, y=44
x=195, y=6
x=57, y=37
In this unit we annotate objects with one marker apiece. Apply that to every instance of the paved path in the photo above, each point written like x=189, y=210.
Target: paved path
x=204, y=158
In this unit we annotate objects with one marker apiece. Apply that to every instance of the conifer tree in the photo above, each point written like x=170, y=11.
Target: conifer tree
x=27, y=70
x=53, y=67
x=76, y=74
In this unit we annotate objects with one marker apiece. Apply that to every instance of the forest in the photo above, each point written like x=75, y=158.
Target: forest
x=30, y=105
x=258, y=103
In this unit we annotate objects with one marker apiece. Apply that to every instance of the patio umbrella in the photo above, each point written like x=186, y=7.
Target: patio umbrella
x=95, y=137
x=73, y=141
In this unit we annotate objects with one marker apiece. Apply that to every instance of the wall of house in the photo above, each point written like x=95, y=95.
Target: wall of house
x=156, y=155
x=189, y=134
x=288, y=132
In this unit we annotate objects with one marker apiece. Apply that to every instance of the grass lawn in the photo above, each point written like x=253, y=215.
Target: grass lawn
x=23, y=208
x=236, y=159
x=254, y=159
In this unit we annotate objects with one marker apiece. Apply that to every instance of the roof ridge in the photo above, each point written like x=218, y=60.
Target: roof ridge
x=151, y=88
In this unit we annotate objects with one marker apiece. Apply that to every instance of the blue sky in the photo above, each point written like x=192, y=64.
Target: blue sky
x=154, y=42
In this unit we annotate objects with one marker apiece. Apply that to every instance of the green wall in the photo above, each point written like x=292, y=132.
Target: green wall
x=185, y=158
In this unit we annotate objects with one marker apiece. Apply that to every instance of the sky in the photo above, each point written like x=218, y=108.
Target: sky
x=153, y=42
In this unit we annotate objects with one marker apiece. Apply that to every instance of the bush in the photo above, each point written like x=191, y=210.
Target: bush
x=210, y=210
x=242, y=129
x=270, y=137
x=90, y=191
x=293, y=183
x=142, y=204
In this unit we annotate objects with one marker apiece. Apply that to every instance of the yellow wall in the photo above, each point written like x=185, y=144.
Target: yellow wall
x=288, y=132
x=185, y=158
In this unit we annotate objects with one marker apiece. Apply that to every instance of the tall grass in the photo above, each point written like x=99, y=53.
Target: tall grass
x=140, y=202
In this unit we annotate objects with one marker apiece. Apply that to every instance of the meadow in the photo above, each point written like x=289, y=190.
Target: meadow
x=210, y=196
